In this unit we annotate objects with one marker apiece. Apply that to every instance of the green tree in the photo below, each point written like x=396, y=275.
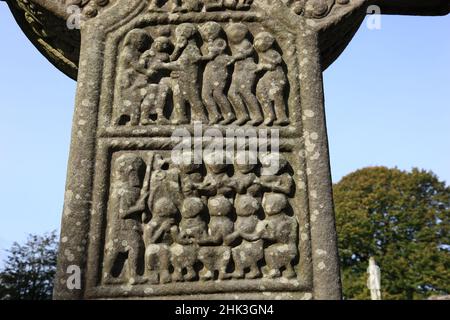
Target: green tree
x=400, y=218
x=29, y=269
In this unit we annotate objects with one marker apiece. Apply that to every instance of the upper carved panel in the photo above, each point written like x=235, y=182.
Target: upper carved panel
x=215, y=73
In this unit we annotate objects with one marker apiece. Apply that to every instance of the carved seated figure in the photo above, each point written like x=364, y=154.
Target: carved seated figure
x=271, y=87
x=282, y=231
x=249, y=229
x=217, y=182
x=216, y=256
x=125, y=247
x=160, y=234
x=190, y=176
x=274, y=175
x=192, y=231
x=245, y=179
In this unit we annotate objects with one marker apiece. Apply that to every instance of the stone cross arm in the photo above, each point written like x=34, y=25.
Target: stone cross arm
x=44, y=23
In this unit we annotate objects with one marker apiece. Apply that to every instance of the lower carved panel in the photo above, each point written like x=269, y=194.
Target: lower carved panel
x=184, y=226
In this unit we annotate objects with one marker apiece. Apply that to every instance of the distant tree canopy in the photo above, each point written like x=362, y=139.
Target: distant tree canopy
x=29, y=269
x=403, y=220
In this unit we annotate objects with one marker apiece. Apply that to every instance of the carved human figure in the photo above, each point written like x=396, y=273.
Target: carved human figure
x=282, y=231
x=125, y=246
x=192, y=232
x=217, y=182
x=185, y=69
x=244, y=76
x=249, y=229
x=191, y=178
x=216, y=75
x=131, y=78
x=245, y=179
x=216, y=255
x=274, y=175
x=160, y=234
x=271, y=87
x=155, y=94
x=164, y=182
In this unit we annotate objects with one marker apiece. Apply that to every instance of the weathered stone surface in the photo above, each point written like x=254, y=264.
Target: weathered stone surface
x=137, y=222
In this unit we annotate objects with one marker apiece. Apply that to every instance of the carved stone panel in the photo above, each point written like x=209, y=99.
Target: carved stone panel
x=174, y=229
x=199, y=67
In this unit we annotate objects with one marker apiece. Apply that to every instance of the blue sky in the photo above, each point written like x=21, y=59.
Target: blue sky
x=387, y=104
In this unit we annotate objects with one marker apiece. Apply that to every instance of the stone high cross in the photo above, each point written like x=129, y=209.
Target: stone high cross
x=139, y=224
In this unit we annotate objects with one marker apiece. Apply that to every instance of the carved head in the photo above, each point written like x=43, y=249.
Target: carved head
x=128, y=169
x=216, y=161
x=263, y=41
x=192, y=207
x=164, y=207
x=247, y=206
x=272, y=164
x=183, y=33
x=220, y=207
x=236, y=32
x=274, y=203
x=161, y=44
x=210, y=31
x=137, y=39
x=244, y=163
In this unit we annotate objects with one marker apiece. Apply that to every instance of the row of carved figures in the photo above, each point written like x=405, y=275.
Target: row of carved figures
x=148, y=75
x=185, y=225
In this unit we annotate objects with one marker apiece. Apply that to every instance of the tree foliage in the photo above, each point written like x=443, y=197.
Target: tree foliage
x=29, y=269
x=403, y=220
